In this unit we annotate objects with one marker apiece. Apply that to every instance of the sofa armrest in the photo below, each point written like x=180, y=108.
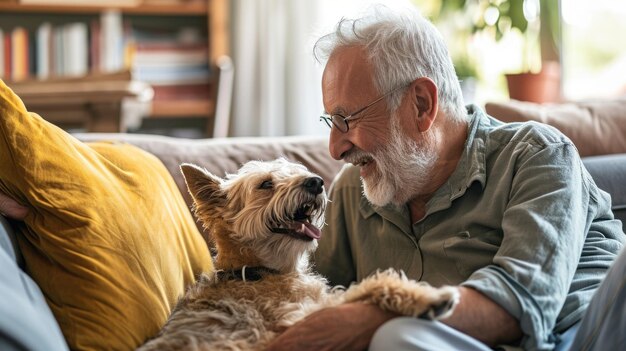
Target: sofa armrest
x=609, y=173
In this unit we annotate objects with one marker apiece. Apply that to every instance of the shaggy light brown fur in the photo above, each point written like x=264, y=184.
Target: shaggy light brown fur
x=268, y=215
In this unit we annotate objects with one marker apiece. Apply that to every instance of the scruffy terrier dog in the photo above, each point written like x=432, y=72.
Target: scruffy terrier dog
x=265, y=221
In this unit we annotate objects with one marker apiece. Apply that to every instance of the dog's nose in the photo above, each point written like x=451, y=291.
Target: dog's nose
x=314, y=185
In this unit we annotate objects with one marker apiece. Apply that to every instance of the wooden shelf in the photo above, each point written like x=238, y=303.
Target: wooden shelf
x=93, y=103
x=193, y=8
x=71, y=101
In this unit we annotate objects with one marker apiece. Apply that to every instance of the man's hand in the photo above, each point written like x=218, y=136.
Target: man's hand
x=345, y=327
x=11, y=208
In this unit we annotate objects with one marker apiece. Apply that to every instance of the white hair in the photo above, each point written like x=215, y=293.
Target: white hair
x=402, y=46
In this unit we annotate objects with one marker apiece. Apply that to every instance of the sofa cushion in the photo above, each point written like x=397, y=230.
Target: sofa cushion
x=108, y=239
x=595, y=127
x=26, y=322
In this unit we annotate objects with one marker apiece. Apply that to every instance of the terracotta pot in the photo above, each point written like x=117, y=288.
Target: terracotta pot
x=541, y=87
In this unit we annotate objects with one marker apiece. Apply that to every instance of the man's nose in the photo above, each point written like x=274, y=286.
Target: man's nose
x=338, y=144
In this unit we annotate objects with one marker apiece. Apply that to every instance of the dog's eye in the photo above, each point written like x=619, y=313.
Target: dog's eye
x=268, y=184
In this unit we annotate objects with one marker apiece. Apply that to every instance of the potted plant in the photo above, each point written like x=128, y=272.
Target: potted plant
x=543, y=85
x=538, y=22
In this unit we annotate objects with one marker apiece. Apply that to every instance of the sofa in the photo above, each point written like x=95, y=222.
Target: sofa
x=37, y=328
x=28, y=320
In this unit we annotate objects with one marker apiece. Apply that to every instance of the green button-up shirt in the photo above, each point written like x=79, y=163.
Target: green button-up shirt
x=520, y=220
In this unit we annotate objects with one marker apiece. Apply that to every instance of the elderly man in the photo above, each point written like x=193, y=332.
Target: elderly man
x=451, y=196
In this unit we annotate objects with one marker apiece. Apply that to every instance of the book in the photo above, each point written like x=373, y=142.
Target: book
x=175, y=56
x=94, y=46
x=57, y=52
x=1, y=54
x=111, y=41
x=32, y=54
x=188, y=108
x=168, y=36
x=201, y=91
x=44, y=41
x=170, y=56
x=19, y=54
x=172, y=75
x=76, y=59
x=7, y=55
x=111, y=3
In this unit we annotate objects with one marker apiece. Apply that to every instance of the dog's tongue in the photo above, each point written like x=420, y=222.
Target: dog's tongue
x=307, y=229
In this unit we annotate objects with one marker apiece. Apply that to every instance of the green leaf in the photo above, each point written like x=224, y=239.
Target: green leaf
x=499, y=34
x=516, y=13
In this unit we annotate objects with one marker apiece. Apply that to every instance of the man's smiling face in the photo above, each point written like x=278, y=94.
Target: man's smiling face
x=394, y=165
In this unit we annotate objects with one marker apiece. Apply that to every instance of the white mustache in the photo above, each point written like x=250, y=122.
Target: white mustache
x=357, y=156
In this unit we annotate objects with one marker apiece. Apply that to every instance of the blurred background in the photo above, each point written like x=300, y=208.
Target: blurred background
x=220, y=68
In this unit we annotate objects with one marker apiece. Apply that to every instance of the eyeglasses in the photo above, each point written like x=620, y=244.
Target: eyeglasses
x=341, y=123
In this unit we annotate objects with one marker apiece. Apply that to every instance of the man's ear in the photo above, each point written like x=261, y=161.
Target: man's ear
x=424, y=93
x=203, y=186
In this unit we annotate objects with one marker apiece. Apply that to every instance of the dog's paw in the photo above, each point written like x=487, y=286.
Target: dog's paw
x=424, y=301
x=394, y=292
x=444, y=301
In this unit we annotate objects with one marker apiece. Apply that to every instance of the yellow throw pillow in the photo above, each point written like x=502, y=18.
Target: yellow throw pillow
x=109, y=238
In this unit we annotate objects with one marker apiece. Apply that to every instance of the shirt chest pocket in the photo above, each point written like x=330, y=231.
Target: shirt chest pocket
x=472, y=251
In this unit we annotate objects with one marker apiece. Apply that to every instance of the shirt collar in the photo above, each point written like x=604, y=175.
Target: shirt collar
x=471, y=166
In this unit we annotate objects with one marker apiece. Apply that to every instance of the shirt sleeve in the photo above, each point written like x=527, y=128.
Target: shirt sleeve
x=333, y=258
x=544, y=228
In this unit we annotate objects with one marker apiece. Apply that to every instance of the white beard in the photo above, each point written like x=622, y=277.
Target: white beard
x=403, y=169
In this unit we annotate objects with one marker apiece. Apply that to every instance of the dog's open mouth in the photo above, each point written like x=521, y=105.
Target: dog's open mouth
x=300, y=227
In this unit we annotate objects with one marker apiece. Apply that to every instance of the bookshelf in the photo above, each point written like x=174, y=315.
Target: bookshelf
x=194, y=32
x=182, y=9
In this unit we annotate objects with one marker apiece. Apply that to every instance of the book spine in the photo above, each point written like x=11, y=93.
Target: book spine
x=19, y=50
x=1, y=54
x=95, y=47
x=76, y=59
x=111, y=37
x=59, y=49
x=8, y=56
x=44, y=33
x=32, y=54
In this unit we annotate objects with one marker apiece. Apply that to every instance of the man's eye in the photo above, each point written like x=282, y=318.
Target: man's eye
x=266, y=185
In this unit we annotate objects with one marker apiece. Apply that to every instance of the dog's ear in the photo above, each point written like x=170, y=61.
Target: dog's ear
x=203, y=186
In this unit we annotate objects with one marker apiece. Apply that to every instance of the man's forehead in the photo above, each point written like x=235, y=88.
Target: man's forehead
x=347, y=70
x=347, y=62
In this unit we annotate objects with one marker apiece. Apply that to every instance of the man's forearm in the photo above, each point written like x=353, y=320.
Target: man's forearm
x=479, y=317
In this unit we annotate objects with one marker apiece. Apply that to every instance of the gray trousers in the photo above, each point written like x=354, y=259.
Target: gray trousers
x=602, y=328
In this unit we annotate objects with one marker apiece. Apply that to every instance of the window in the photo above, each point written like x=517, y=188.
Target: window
x=594, y=48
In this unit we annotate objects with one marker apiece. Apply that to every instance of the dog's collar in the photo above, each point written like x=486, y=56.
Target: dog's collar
x=245, y=273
